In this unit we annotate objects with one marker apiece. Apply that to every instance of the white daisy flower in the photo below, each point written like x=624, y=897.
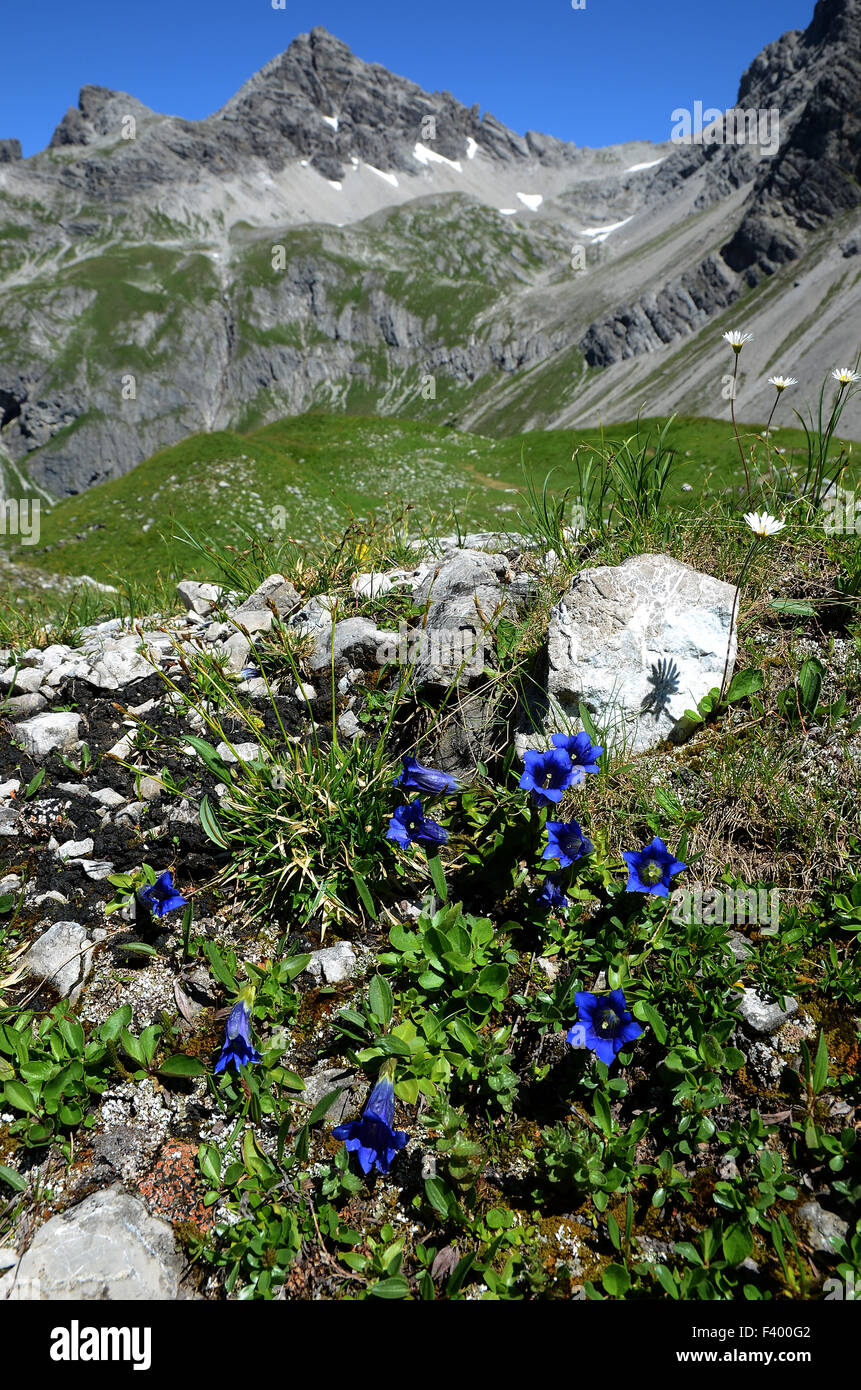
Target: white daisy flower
x=737, y=340
x=781, y=382
x=845, y=375
x=763, y=525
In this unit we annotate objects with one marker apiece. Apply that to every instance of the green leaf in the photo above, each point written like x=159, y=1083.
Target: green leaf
x=493, y=980
x=820, y=1066
x=21, y=1097
x=395, y=1287
x=15, y=1181
x=666, y=1280
x=182, y=1065
x=114, y=1025
x=381, y=1000
x=616, y=1280
x=35, y=784
x=209, y=823
x=797, y=607
x=218, y=967
x=321, y=1109
x=136, y=948
x=121, y=881
x=647, y=1014
x=613, y=1231
x=210, y=756
x=737, y=1243
x=437, y=1195
x=466, y=1036
x=711, y=1051
x=810, y=679
x=149, y=1041
x=437, y=876
x=588, y=724
x=365, y=894
x=743, y=684
x=209, y=1160
x=289, y=969
x=601, y=1107
x=393, y=1046
x=132, y=1047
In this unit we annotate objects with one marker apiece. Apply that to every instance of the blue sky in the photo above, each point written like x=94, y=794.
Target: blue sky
x=610, y=72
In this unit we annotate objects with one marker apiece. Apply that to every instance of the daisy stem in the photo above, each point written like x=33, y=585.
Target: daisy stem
x=735, y=426
x=744, y=569
x=767, y=428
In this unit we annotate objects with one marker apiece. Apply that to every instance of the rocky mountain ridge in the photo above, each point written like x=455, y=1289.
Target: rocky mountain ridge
x=335, y=237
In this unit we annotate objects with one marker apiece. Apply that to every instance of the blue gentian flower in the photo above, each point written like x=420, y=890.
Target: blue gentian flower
x=410, y=826
x=604, y=1024
x=237, y=1044
x=551, y=895
x=584, y=754
x=547, y=775
x=566, y=842
x=161, y=897
x=651, y=869
x=416, y=778
x=372, y=1136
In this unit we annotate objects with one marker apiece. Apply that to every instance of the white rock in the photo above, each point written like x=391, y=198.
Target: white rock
x=762, y=1014
x=122, y=749
x=108, y=797
x=75, y=849
x=637, y=644
x=76, y=789
x=20, y=705
x=62, y=957
x=333, y=963
x=96, y=868
x=55, y=655
x=348, y=724
x=236, y=648
x=48, y=733
x=197, y=598
x=25, y=680
x=107, y=1247
x=8, y=789
x=255, y=614
x=119, y=664
x=149, y=789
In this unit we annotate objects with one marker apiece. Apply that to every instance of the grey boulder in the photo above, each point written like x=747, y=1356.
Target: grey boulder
x=354, y=642
x=62, y=957
x=256, y=614
x=48, y=733
x=638, y=644
x=107, y=1247
x=820, y=1228
x=762, y=1014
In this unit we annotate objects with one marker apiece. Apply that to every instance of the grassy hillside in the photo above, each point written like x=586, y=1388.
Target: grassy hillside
x=321, y=469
